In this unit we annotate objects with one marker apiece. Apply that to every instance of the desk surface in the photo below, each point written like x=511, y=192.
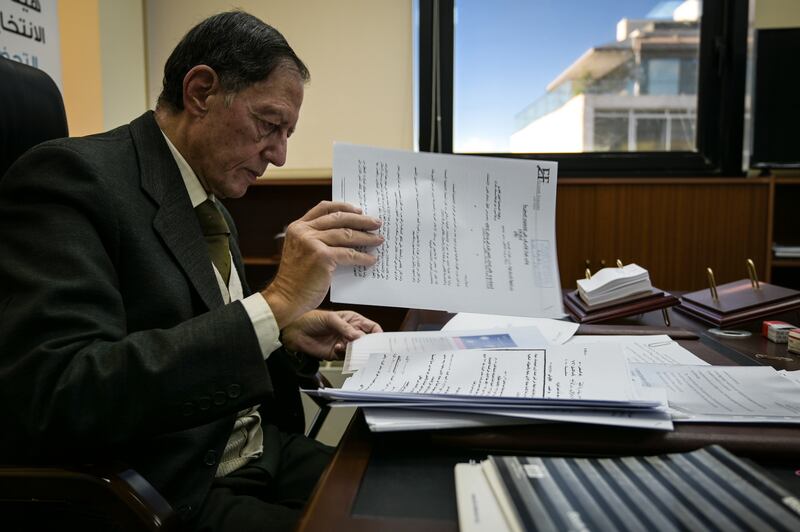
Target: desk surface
x=404, y=481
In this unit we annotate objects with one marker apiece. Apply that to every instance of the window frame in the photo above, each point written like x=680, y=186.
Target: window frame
x=720, y=100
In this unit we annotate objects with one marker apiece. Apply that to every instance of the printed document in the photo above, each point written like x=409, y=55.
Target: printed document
x=651, y=349
x=358, y=351
x=462, y=233
x=595, y=374
x=554, y=331
x=723, y=394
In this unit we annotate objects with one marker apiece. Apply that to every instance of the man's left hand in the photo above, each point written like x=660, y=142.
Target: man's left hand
x=324, y=334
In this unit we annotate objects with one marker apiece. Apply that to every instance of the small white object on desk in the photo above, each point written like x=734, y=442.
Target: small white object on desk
x=614, y=284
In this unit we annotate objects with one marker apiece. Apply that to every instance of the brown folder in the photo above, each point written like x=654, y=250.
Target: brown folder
x=738, y=302
x=582, y=313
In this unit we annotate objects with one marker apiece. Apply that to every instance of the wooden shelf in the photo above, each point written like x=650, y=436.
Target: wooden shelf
x=786, y=263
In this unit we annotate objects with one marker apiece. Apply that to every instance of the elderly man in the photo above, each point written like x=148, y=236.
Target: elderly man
x=127, y=330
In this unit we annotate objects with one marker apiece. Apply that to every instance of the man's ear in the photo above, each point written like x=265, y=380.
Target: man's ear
x=198, y=84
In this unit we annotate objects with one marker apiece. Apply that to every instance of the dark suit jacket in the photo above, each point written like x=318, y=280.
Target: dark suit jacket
x=114, y=340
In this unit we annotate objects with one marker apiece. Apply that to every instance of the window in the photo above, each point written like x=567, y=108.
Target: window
x=604, y=87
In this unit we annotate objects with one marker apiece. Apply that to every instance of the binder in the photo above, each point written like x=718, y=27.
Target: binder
x=706, y=489
x=738, y=302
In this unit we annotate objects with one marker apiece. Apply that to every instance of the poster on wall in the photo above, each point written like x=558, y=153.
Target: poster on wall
x=29, y=34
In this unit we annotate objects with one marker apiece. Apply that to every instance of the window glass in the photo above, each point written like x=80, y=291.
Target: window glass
x=566, y=76
x=663, y=76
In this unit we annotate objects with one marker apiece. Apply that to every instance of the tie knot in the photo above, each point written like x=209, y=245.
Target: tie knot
x=211, y=220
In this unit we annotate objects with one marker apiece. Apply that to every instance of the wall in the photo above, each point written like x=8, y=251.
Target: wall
x=777, y=14
x=122, y=58
x=359, y=55
x=79, y=26
x=103, y=69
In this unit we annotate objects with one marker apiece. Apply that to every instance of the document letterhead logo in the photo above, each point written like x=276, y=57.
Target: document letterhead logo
x=542, y=174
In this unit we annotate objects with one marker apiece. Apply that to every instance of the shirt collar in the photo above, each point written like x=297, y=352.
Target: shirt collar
x=197, y=194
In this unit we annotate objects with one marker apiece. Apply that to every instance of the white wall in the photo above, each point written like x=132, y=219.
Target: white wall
x=122, y=54
x=359, y=55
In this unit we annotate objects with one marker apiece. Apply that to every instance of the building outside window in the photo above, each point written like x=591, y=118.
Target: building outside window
x=637, y=93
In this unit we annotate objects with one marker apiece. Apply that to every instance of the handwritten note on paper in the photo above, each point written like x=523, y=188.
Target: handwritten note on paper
x=472, y=234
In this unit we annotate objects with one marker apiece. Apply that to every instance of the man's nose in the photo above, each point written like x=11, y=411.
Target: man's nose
x=275, y=152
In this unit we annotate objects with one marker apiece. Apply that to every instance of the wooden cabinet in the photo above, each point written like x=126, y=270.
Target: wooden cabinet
x=674, y=227
x=784, y=230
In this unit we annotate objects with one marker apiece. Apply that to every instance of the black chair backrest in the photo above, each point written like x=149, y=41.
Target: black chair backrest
x=31, y=110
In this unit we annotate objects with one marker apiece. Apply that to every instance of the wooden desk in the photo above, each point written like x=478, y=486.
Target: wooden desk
x=404, y=481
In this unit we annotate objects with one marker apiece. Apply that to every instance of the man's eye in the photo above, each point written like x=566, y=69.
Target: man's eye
x=268, y=128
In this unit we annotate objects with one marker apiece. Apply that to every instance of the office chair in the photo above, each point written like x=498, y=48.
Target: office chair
x=93, y=496
x=32, y=110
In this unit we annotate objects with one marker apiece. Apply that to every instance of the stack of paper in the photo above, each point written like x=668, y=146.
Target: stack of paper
x=786, y=251
x=611, y=285
x=579, y=383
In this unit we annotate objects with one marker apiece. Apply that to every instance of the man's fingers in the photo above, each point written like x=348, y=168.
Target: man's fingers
x=349, y=238
x=343, y=327
x=345, y=219
x=352, y=257
x=327, y=207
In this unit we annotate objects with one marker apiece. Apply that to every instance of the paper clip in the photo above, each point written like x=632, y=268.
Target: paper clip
x=619, y=263
x=588, y=274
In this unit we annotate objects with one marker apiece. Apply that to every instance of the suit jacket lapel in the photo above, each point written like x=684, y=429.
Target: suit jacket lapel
x=175, y=220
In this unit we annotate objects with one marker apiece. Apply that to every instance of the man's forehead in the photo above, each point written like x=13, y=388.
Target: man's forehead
x=276, y=95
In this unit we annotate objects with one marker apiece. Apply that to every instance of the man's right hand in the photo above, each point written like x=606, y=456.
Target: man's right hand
x=325, y=237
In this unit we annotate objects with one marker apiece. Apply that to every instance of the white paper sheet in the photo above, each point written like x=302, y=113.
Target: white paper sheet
x=655, y=349
x=791, y=375
x=478, y=510
x=646, y=419
x=418, y=416
x=463, y=233
x=576, y=374
x=555, y=331
x=723, y=394
x=401, y=419
x=358, y=352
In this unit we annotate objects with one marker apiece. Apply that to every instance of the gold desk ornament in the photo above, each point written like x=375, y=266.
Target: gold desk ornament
x=712, y=284
x=751, y=271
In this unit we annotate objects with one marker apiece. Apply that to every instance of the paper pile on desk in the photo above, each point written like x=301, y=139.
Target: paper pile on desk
x=694, y=391
x=581, y=383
